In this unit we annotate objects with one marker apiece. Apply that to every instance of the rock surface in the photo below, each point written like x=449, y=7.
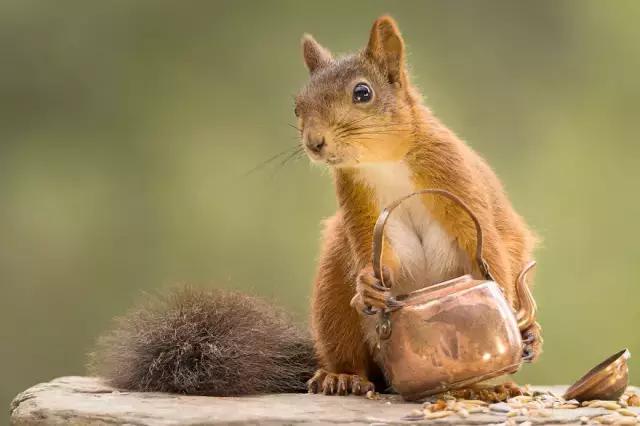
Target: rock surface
x=88, y=401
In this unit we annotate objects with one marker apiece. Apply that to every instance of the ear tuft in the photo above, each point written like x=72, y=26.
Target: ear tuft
x=315, y=56
x=386, y=48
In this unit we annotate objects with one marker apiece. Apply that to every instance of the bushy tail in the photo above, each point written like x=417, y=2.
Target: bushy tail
x=205, y=342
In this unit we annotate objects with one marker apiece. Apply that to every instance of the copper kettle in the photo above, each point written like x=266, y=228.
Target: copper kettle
x=452, y=334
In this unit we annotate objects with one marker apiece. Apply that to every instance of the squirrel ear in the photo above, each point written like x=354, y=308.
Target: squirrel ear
x=315, y=56
x=386, y=48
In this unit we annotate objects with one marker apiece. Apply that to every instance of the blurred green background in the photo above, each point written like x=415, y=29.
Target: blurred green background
x=127, y=129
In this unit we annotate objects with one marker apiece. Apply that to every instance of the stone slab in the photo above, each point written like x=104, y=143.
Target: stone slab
x=88, y=401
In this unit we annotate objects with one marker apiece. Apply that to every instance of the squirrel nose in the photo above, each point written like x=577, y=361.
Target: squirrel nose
x=316, y=144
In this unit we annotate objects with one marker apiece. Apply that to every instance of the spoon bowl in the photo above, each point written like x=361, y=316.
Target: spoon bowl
x=605, y=381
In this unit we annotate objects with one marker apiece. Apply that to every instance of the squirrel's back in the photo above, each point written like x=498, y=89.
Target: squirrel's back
x=205, y=342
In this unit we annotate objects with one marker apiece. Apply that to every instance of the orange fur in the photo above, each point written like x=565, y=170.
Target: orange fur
x=435, y=157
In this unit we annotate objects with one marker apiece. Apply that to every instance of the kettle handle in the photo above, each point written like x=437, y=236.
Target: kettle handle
x=378, y=231
x=526, y=315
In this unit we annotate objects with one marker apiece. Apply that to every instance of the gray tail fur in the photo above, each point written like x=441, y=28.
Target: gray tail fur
x=205, y=342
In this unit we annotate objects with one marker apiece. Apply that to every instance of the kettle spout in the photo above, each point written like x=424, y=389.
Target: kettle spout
x=526, y=315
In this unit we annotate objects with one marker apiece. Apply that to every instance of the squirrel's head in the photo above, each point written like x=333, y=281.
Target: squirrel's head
x=357, y=109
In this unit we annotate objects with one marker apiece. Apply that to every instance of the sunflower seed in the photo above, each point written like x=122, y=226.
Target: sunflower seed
x=476, y=402
x=609, y=405
x=437, y=414
x=462, y=412
x=607, y=419
x=627, y=412
x=625, y=421
x=500, y=407
x=520, y=399
x=476, y=409
x=567, y=406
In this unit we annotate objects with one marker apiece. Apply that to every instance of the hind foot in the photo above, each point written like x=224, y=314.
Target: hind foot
x=338, y=384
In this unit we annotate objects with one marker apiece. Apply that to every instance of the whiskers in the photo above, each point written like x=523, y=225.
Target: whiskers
x=295, y=127
x=297, y=154
x=282, y=158
x=360, y=129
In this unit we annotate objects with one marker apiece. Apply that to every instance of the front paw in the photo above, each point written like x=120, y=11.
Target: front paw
x=532, y=343
x=371, y=294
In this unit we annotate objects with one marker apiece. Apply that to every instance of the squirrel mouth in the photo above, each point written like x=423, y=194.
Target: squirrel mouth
x=332, y=160
x=329, y=159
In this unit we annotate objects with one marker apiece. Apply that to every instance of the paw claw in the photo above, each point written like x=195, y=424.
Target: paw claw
x=528, y=338
x=313, y=385
x=329, y=385
x=528, y=355
x=360, y=385
x=532, y=343
x=343, y=384
x=369, y=387
x=338, y=384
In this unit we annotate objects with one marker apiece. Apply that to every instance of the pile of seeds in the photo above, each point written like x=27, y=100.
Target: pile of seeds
x=444, y=408
x=489, y=393
x=525, y=409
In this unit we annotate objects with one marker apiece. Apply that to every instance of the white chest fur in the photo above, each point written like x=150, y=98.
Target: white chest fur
x=427, y=253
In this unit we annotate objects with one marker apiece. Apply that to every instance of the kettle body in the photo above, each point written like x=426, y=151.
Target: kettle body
x=451, y=334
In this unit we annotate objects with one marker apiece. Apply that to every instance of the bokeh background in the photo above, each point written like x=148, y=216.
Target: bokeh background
x=127, y=129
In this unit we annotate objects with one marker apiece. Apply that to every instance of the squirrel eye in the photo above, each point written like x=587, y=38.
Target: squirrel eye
x=296, y=112
x=362, y=93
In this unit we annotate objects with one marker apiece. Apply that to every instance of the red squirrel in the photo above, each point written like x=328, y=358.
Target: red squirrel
x=360, y=116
